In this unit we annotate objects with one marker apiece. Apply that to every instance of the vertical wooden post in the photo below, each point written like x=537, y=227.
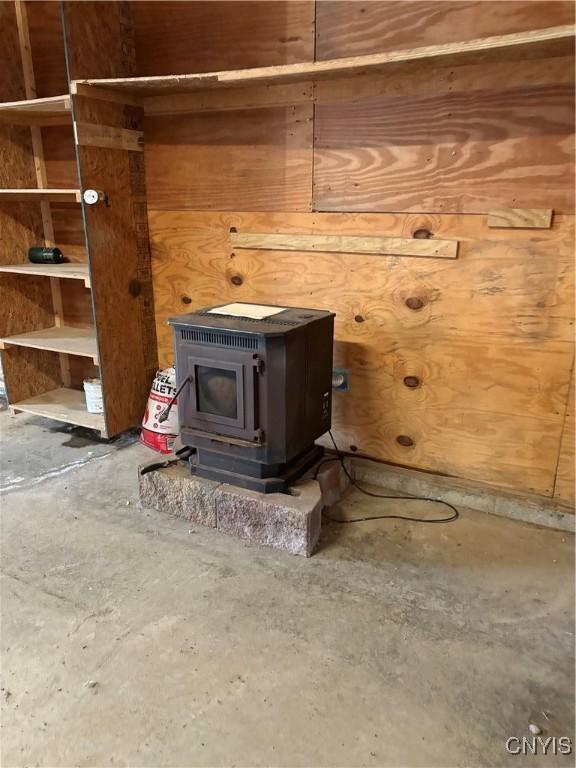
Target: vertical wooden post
x=40, y=168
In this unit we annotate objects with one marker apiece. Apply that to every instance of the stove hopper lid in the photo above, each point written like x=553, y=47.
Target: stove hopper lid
x=250, y=318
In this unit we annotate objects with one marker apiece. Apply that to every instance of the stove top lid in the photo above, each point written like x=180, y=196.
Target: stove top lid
x=250, y=318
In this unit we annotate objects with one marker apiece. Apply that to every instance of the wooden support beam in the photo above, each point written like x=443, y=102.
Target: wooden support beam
x=77, y=88
x=95, y=135
x=521, y=218
x=380, y=246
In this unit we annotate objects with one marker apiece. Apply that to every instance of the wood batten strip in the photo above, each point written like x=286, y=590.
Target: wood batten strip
x=540, y=42
x=109, y=137
x=521, y=218
x=379, y=246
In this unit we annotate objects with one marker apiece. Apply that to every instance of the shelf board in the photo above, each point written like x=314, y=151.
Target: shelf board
x=66, y=271
x=48, y=195
x=63, y=404
x=534, y=43
x=71, y=341
x=54, y=110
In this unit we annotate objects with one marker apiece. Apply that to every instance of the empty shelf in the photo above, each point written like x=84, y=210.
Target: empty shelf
x=49, y=195
x=539, y=42
x=69, y=271
x=63, y=404
x=71, y=341
x=53, y=110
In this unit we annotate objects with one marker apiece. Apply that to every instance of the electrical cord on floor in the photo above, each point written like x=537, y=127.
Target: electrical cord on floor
x=353, y=482
x=182, y=454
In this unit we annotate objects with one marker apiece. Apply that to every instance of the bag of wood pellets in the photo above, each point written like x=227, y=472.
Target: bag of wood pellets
x=155, y=434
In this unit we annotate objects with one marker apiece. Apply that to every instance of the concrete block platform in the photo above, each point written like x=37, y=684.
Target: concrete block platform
x=289, y=521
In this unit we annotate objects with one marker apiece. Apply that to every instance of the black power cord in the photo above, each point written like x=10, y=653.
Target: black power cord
x=353, y=482
x=163, y=415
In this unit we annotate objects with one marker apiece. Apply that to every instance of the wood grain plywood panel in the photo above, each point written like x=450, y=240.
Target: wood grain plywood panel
x=565, y=484
x=517, y=452
x=258, y=159
x=100, y=38
x=20, y=228
x=11, y=78
x=442, y=79
x=515, y=284
x=69, y=231
x=467, y=152
x=29, y=372
x=47, y=44
x=176, y=38
x=346, y=28
x=491, y=344
x=82, y=368
x=77, y=304
x=16, y=158
x=60, y=156
x=27, y=304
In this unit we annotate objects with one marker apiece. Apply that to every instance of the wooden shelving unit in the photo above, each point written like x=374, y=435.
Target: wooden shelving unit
x=69, y=341
x=65, y=271
x=48, y=336
x=522, y=45
x=91, y=316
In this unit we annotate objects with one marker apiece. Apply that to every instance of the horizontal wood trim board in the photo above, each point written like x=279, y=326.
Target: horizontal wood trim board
x=109, y=137
x=386, y=246
x=541, y=41
x=521, y=218
x=38, y=195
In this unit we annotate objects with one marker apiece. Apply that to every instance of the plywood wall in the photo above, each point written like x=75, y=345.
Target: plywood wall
x=489, y=336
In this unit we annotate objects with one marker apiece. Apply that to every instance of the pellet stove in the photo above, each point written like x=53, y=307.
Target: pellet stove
x=258, y=391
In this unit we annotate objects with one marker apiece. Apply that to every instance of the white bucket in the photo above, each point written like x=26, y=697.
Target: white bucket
x=160, y=435
x=93, y=392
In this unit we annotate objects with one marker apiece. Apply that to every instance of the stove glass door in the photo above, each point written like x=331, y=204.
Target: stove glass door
x=217, y=391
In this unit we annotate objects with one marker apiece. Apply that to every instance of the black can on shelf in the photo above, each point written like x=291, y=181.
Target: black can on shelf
x=45, y=255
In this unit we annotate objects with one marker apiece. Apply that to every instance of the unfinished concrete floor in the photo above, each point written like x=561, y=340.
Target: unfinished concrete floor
x=396, y=645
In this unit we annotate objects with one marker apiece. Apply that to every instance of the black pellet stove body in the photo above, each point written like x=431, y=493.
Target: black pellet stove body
x=259, y=391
